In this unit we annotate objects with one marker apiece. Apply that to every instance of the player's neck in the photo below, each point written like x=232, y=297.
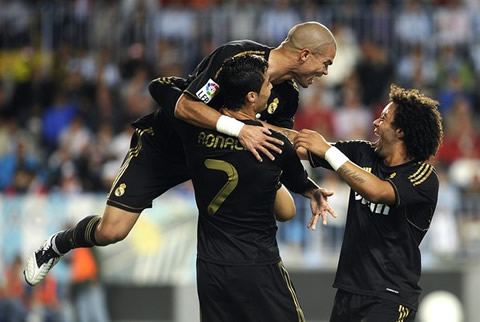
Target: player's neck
x=278, y=65
x=397, y=156
x=242, y=114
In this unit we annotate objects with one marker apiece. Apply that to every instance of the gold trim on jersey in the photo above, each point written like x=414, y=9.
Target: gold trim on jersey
x=421, y=174
x=132, y=152
x=403, y=313
x=294, y=84
x=126, y=206
x=165, y=80
x=288, y=281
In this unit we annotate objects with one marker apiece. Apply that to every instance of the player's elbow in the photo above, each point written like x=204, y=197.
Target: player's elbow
x=378, y=196
x=181, y=109
x=286, y=213
x=284, y=206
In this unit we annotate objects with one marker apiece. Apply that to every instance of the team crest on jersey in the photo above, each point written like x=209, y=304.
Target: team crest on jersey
x=120, y=190
x=208, y=91
x=273, y=106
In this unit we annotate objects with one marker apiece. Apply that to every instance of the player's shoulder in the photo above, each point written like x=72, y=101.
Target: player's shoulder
x=286, y=86
x=280, y=136
x=358, y=145
x=420, y=173
x=245, y=46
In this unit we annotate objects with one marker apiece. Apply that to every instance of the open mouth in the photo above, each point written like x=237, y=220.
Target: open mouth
x=377, y=142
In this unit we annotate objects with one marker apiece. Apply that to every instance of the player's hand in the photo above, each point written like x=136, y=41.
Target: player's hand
x=312, y=141
x=302, y=153
x=320, y=208
x=256, y=139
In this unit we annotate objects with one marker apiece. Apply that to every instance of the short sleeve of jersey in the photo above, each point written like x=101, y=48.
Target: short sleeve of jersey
x=294, y=175
x=418, y=185
x=202, y=81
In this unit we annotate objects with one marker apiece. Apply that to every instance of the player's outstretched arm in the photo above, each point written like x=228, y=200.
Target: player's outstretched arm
x=289, y=133
x=256, y=139
x=365, y=183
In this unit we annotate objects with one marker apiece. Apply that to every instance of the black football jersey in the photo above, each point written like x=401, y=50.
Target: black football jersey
x=380, y=253
x=201, y=84
x=235, y=194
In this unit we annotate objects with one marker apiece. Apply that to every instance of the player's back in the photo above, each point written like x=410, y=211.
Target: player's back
x=235, y=195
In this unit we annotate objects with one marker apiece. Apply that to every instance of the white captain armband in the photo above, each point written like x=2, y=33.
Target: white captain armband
x=335, y=157
x=228, y=125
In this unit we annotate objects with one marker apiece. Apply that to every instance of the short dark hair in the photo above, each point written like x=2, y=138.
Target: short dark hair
x=418, y=117
x=240, y=75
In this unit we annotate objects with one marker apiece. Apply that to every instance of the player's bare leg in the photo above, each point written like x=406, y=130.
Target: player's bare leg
x=91, y=231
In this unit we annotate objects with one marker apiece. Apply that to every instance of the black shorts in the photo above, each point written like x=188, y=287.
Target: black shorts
x=154, y=163
x=262, y=293
x=350, y=307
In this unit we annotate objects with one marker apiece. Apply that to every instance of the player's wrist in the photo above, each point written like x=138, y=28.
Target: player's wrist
x=228, y=125
x=335, y=157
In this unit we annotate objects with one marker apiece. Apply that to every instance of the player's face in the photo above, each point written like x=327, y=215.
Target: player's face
x=315, y=66
x=384, y=129
x=264, y=94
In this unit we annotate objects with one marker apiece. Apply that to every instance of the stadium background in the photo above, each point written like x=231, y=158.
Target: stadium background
x=74, y=74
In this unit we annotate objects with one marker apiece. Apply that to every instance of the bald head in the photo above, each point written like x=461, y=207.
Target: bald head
x=311, y=35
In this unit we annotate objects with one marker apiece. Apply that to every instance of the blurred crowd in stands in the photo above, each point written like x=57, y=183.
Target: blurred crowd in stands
x=74, y=75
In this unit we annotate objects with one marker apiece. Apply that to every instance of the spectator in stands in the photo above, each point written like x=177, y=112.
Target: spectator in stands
x=352, y=119
x=413, y=26
x=13, y=300
x=88, y=293
x=462, y=137
x=375, y=72
x=416, y=69
x=19, y=168
x=56, y=118
x=275, y=22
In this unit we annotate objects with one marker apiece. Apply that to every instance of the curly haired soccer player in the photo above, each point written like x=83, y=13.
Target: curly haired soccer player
x=392, y=201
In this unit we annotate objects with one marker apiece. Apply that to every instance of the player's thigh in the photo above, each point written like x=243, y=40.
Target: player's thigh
x=153, y=165
x=215, y=305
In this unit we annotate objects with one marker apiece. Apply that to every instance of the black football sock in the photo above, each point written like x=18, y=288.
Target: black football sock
x=82, y=235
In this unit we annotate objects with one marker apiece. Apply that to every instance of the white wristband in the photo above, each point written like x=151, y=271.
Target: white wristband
x=335, y=157
x=228, y=125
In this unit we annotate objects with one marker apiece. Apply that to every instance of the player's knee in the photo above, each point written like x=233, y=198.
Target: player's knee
x=109, y=235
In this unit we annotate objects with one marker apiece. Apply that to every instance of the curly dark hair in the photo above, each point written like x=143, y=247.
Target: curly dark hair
x=420, y=121
x=238, y=76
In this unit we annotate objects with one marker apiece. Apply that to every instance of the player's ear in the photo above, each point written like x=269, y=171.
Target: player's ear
x=399, y=133
x=304, y=53
x=251, y=97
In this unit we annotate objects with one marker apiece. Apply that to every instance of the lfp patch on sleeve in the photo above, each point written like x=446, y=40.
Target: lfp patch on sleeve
x=208, y=91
